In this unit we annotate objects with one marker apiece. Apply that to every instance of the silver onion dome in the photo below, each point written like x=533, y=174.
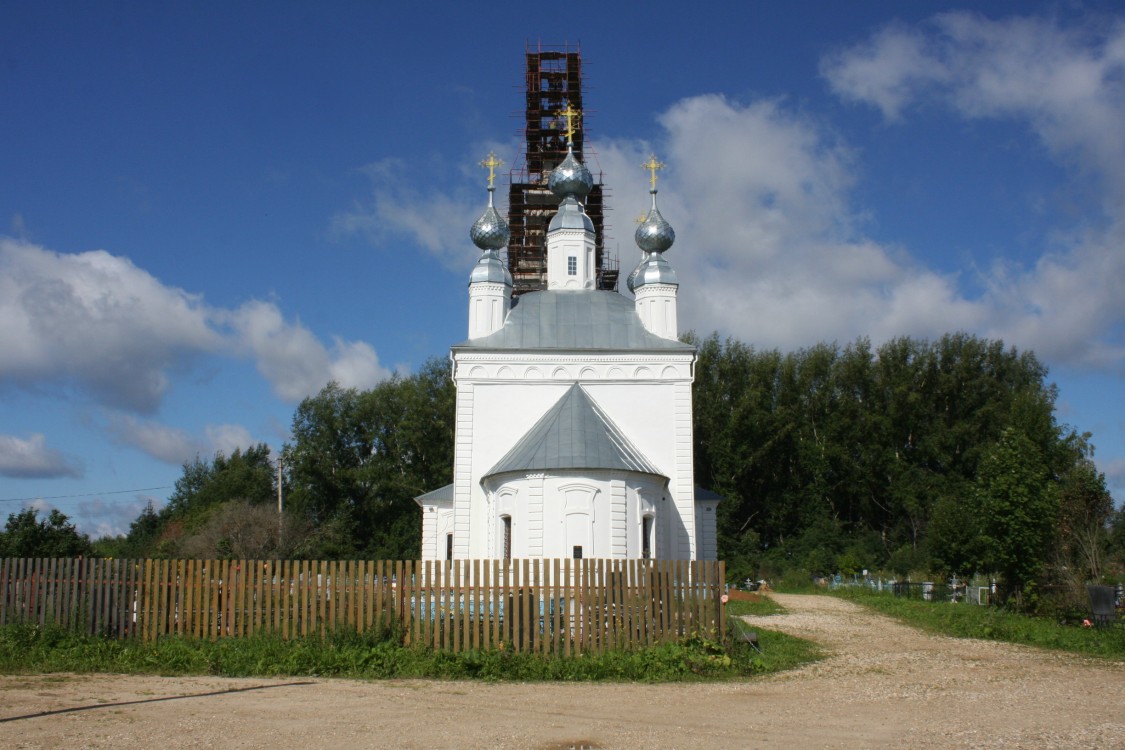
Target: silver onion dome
x=654, y=235
x=570, y=177
x=490, y=231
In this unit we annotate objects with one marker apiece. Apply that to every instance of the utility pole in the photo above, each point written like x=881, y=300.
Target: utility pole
x=280, y=507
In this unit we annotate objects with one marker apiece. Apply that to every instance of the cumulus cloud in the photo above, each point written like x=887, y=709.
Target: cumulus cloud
x=228, y=438
x=98, y=322
x=1067, y=86
x=99, y=518
x=1066, y=83
x=96, y=319
x=293, y=360
x=163, y=443
x=772, y=251
x=175, y=446
x=33, y=459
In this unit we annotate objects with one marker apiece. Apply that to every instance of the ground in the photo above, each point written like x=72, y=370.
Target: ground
x=885, y=685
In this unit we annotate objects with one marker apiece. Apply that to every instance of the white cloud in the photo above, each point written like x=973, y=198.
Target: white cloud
x=97, y=321
x=175, y=446
x=227, y=438
x=293, y=360
x=168, y=444
x=32, y=459
x=771, y=250
x=99, y=518
x=768, y=247
x=1067, y=85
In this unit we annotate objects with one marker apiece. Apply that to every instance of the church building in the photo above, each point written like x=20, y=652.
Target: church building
x=574, y=405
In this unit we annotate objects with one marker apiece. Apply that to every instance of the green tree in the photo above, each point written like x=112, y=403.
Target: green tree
x=1085, y=511
x=359, y=458
x=55, y=536
x=1018, y=506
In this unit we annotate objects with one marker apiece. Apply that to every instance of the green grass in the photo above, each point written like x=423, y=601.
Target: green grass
x=764, y=607
x=991, y=623
x=29, y=649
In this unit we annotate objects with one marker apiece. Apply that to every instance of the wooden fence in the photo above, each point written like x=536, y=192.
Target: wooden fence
x=548, y=606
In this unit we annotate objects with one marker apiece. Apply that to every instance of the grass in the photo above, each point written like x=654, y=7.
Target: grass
x=30, y=649
x=753, y=605
x=991, y=623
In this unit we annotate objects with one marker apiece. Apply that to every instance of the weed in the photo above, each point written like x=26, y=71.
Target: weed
x=377, y=656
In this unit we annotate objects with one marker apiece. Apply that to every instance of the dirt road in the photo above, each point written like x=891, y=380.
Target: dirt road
x=885, y=686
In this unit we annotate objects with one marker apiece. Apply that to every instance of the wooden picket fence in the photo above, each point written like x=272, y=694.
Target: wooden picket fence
x=547, y=606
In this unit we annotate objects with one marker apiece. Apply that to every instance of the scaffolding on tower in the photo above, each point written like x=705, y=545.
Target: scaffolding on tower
x=553, y=80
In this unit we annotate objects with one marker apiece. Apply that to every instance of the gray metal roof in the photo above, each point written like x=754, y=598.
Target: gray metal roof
x=441, y=493
x=702, y=493
x=584, y=319
x=574, y=434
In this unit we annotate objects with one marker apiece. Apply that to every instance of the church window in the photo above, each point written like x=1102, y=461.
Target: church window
x=572, y=266
x=449, y=546
x=646, y=538
x=507, y=520
x=578, y=552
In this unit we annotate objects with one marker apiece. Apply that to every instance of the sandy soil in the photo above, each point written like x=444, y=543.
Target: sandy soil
x=885, y=685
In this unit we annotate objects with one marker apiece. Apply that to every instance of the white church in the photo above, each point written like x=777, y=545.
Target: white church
x=574, y=410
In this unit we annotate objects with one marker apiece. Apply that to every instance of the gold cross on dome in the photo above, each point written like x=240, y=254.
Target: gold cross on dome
x=652, y=165
x=491, y=163
x=571, y=116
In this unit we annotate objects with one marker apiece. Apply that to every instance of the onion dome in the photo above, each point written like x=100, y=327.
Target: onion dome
x=570, y=177
x=654, y=235
x=490, y=231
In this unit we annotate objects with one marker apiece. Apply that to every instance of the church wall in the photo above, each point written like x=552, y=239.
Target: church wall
x=502, y=395
x=553, y=513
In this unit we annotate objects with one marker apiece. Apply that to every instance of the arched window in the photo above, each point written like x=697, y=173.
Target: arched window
x=506, y=523
x=646, y=538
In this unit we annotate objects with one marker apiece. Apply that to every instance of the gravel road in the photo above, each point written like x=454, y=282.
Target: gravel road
x=885, y=685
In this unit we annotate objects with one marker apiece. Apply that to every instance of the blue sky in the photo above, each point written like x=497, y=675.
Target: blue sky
x=209, y=210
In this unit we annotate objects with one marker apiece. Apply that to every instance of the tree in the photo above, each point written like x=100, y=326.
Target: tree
x=55, y=536
x=1017, y=505
x=240, y=529
x=1085, y=510
x=248, y=475
x=866, y=454
x=359, y=458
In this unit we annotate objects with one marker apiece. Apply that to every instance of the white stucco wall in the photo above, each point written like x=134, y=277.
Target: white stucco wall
x=501, y=395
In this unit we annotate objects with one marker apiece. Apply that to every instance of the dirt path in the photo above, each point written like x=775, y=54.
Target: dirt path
x=885, y=685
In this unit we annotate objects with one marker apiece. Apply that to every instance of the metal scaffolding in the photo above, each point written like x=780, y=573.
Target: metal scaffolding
x=553, y=80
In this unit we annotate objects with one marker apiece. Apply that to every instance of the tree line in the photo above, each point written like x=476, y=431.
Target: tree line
x=942, y=456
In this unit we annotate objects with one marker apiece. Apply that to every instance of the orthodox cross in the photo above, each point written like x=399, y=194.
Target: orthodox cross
x=652, y=165
x=571, y=116
x=491, y=163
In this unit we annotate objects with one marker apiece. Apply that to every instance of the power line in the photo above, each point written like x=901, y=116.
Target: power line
x=84, y=494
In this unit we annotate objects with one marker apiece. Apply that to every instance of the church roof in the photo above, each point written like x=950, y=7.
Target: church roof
x=441, y=494
x=574, y=434
x=586, y=319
